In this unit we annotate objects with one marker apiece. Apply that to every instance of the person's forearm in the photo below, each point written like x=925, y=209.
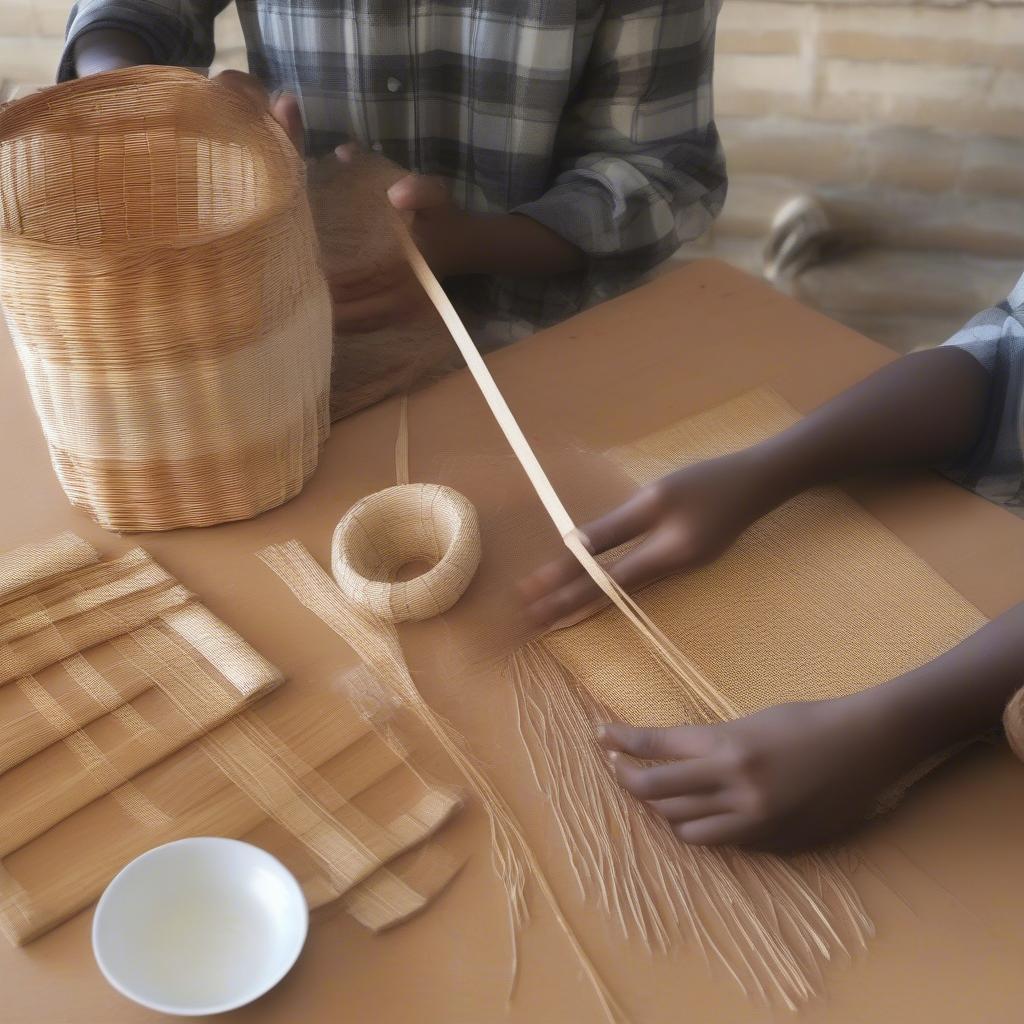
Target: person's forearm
x=511, y=244
x=923, y=410
x=107, y=50
x=957, y=696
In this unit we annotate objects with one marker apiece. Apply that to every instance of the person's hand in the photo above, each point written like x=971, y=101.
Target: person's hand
x=789, y=777
x=376, y=297
x=682, y=521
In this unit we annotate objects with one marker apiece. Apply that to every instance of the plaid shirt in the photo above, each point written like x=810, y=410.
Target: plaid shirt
x=593, y=118
x=995, y=337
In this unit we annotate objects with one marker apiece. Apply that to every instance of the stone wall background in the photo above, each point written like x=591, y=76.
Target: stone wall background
x=900, y=121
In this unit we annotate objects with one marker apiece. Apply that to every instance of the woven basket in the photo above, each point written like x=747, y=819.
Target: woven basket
x=159, y=274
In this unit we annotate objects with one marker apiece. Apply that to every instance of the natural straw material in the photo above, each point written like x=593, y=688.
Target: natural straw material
x=60, y=629
x=376, y=642
x=182, y=703
x=159, y=273
x=24, y=568
x=815, y=601
x=145, y=734
x=770, y=922
x=351, y=802
x=404, y=526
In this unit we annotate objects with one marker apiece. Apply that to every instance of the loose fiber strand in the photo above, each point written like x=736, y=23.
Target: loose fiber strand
x=376, y=643
x=402, y=444
x=780, y=940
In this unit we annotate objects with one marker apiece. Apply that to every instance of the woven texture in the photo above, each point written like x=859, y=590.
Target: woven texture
x=160, y=278
x=404, y=526
x=147, y=729
x=816, y=600
x=375, y=640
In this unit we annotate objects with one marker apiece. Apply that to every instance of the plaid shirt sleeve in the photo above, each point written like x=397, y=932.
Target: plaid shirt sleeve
x=995, y=337
x=177, y=31
x=640, y=167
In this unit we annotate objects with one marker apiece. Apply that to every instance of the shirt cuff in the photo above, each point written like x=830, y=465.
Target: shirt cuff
x=579, y=213
x=982, y=335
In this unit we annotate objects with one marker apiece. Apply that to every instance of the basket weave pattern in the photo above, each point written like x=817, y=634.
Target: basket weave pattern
x=160, y=278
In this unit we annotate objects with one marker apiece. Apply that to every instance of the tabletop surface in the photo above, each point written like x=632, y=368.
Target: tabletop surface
x=940, y=875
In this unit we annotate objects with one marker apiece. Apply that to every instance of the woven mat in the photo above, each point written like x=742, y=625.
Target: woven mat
x=816, y=600
x=129, y=718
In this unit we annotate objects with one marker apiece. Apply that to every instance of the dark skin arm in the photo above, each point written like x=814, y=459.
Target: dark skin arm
x=454, y=243
x=107, y=49
x=800, y=773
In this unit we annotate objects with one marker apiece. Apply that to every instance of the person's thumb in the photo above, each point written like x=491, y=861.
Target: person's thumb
x=416, y=192
x=288, y=115
x=348, y=152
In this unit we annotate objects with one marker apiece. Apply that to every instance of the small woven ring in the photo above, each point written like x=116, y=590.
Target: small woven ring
x=392, y=528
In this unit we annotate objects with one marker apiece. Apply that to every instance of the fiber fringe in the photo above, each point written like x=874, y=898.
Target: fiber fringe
x=377, y=644
x=770, y=923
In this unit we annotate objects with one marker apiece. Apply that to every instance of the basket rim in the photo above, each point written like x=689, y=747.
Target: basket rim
x=17, y=116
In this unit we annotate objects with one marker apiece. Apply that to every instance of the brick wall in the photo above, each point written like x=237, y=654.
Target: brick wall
x=906, y=119
x=919, y=102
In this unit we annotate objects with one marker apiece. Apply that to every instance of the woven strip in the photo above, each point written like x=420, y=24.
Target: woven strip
x=151, y=747
x=43, y=648
x=44, y=884
x=393, y=896
x=81, y=592
x=191, y=694
x=36, y=711
x=26, y=568
x=252, y=773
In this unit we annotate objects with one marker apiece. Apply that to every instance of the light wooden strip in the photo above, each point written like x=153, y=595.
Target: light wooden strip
x=674, y=660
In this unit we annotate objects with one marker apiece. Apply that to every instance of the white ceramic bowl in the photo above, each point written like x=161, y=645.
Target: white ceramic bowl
x=199, y=926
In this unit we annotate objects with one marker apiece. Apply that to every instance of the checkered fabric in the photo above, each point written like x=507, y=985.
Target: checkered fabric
x=593, y=118
x=995, y=337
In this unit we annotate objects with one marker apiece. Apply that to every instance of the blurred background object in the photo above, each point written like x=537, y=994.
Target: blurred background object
x=876, y=157
x=876, y=151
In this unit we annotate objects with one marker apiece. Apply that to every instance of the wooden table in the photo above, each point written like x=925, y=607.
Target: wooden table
x=940, y=875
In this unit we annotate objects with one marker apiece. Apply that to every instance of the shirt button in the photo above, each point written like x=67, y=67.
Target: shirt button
x=394, y=85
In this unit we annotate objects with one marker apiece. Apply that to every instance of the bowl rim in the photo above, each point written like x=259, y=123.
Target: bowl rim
x=232, y=1004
